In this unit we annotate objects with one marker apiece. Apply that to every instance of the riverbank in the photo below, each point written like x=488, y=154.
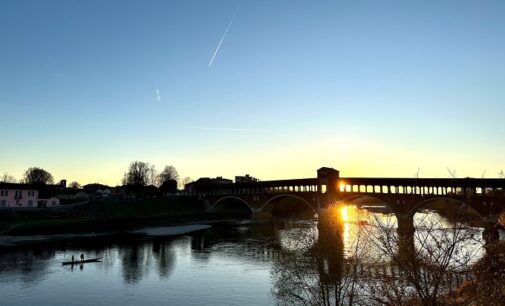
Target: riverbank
x=153, y=232
x=97, y=219
x=101, y=224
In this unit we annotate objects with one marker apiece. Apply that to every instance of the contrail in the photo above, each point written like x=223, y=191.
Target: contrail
x=222, y=38
x=221, y=129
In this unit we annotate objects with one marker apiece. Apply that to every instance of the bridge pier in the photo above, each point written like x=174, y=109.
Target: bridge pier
x=330, y=248
x=490, y=234
x=261, y=215
x=405, y=231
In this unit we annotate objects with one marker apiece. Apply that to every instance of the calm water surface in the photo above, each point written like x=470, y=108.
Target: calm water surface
x=225, y=265
x=240, y=264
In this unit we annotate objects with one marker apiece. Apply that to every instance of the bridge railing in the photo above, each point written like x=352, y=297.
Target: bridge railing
x=415, y=186
x=262, y=187
x=424, y=186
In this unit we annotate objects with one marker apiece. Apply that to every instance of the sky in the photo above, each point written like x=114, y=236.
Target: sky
x=275, y=89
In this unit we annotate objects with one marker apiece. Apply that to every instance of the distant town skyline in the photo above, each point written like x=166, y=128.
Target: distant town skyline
x=275, y=89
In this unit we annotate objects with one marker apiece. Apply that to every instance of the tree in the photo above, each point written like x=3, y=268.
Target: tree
x=6, y=178
x=488, y=288
x=186, y=181
x=139, y=174
x=153, y=175
x=36, y=175
x=75, y=185
x=501, y=174
x=168, y=173
x=330, y=275
x=427, y=274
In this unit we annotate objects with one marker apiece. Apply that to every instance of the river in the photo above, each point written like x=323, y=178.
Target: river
x=241, y=263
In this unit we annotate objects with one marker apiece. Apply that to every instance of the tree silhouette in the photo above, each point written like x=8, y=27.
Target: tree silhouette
x=6, y=178
x=185, y=181
x=168, y=173
x=36, y=175
x=75, y=185
x=139, y=173
x=429, y=275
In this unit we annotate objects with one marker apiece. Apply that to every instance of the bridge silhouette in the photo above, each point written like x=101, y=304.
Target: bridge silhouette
x=402, y=196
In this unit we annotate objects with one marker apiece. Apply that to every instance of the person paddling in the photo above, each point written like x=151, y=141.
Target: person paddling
x=82, y=257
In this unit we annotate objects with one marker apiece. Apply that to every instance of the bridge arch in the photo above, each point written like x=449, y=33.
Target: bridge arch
x=409, y=205
x=373, y=199
x=355, y=197
x=222, y=200
x=271, y=203
x=448, y=200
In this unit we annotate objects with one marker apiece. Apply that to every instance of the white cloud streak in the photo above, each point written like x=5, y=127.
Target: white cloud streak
x=226, y=129
x=222, y=39
x=158, y=96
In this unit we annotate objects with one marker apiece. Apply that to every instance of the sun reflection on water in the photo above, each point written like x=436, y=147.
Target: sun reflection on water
x=344, y=213
x=347, y=215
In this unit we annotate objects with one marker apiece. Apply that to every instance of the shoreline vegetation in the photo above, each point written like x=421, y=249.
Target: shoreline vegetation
x=104, y=218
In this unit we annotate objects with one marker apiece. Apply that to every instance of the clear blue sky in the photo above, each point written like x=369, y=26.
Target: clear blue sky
x=373, y=88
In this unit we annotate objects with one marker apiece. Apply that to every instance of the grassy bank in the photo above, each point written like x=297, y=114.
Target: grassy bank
x=112, y=215
x=52, y=226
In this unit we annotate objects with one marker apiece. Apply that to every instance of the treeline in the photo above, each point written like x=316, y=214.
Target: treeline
x=145, y=174
x=138, y=174
x=33, y=175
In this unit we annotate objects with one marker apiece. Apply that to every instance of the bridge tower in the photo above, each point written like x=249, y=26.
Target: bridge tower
x=328, y=180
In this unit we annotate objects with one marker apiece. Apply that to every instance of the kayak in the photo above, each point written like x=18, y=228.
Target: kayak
x=77, y=262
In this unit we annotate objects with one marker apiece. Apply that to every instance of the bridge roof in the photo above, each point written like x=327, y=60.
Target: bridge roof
x=260, y=184
x=435, y=182
x=376, y=181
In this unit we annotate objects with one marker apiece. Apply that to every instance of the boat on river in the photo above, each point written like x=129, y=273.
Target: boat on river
x=78, y=262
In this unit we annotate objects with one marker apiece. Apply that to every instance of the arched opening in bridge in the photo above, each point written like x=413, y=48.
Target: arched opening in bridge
x=451, y=210
x=288, y=206
x=232, y=207
x=370, y=203
x=444, y=224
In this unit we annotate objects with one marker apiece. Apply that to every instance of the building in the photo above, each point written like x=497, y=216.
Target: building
x=27, y=196
x=94, y=188
x=220, y=180
x=204, y=181
x=168, y=187
x=245, y=179
x=18, y=195
x=217, y=180
x=49, y=202
x=97, y=191
x=73, y=195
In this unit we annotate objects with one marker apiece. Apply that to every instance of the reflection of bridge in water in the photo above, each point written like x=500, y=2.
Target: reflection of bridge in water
x=403, y=196
x=322, y=255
